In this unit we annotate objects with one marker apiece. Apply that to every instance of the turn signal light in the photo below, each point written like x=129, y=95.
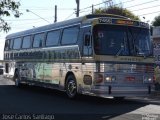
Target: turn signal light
x=130, y=78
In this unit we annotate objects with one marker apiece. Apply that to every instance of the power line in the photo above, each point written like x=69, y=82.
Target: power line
x=96, y=4
x=146, y=8
x=141, y=4
x=27, y=10
x=30, y=23
x=27, y=19
x=47, y=9
x=83, y=11
x=103, y=3
x=131, y=6
x=70, y=15
x=149, y=13
x=123, y=2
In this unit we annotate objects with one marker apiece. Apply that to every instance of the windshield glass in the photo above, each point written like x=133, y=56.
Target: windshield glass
x=141, y=40
x=121, y=40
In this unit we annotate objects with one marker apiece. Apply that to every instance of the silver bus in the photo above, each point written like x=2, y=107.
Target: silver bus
x=98, y=55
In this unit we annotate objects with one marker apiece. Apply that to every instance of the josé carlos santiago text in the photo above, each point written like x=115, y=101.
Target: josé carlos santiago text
x=27, y=117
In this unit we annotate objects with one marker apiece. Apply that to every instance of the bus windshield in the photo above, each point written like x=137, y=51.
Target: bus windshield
x=121, y=40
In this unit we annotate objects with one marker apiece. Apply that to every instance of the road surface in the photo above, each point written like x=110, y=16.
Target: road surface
x=40, y=103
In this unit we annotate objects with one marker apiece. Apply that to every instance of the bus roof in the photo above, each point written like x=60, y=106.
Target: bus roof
x=61, y=24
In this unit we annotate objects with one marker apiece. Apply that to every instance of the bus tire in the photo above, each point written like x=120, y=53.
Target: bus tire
x=17, y=79
x=71, y=86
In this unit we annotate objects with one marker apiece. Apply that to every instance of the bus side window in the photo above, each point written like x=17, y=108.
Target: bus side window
x=53, y=38
x=26, y=42
x=38, y=40
x=70, y=35
x=17, y=43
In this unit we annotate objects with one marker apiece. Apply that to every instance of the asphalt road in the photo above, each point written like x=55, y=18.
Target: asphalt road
x=36, y=103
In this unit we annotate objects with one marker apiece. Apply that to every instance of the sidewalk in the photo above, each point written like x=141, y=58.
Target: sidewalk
x=154, y=98
x=155, y=95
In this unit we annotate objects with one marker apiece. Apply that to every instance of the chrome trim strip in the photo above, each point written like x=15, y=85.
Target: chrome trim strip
x=86, y=26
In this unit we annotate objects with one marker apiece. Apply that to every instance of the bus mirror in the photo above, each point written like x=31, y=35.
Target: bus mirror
x=87, y=40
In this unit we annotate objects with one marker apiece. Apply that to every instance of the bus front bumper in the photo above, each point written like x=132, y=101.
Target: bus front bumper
x=117, y=91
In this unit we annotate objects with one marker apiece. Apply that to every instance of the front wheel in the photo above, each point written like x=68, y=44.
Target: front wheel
x=71, y=86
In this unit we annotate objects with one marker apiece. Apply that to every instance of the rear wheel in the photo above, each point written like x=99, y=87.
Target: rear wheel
x=71, y=86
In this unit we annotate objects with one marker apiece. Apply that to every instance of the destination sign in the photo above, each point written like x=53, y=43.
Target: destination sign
x=105, y=20
x=123, y=22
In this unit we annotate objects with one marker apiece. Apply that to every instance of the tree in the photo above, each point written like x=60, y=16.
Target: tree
x=117, y=11
x=8, y=7
x=156, y=21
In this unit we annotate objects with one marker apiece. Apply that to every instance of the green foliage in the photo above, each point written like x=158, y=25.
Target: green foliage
x=8, y=7
x=117, y=11
x=156, y=21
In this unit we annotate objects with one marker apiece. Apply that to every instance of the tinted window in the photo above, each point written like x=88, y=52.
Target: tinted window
x=38, y=39
x=17, y=43
x=70, y=35
x=52, y=38
x=26, y=42
x=10, y=44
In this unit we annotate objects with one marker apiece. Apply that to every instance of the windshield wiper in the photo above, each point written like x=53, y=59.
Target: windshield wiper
x=121, y=49
x=123, y=45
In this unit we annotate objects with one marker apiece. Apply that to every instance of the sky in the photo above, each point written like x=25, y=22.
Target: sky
x=42, y=12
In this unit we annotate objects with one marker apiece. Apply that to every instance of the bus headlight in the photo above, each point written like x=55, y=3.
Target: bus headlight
x=147, y=79
x=110, y=78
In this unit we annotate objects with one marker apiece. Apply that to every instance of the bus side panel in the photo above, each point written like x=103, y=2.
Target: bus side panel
x=30, y=70
x=51, y=73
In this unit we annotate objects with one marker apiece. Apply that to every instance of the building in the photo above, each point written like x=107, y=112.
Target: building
x=156, y=51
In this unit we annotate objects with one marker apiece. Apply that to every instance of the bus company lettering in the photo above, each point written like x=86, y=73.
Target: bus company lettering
x=131, y=59
x=47, y=54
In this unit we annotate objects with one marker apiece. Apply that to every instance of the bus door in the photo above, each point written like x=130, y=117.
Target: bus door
x=87, y=43
x=87, y=53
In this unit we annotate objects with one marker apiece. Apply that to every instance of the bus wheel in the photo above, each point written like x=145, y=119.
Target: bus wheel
x=71, y=86
x=17, y=80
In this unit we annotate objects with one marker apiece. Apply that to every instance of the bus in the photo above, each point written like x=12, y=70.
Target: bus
x=98, y=55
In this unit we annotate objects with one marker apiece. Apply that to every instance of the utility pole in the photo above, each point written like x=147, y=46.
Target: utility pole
x=78, y=4
x=92, y=8
x=55, y=16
